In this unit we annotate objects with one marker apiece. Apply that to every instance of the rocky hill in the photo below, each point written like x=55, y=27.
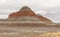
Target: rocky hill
x=28, y=15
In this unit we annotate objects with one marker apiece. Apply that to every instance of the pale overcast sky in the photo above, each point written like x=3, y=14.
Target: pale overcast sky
x=47, y=8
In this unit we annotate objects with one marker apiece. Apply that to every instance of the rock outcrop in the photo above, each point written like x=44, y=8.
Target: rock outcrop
x=25, y=12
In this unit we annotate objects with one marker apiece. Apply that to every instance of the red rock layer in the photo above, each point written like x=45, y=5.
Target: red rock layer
x=44, y=18
x=25, y=13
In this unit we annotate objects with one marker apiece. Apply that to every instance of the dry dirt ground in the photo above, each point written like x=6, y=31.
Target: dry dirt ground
x=25, y=31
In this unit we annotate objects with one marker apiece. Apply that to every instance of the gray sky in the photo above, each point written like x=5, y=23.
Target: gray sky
x=47, y=8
